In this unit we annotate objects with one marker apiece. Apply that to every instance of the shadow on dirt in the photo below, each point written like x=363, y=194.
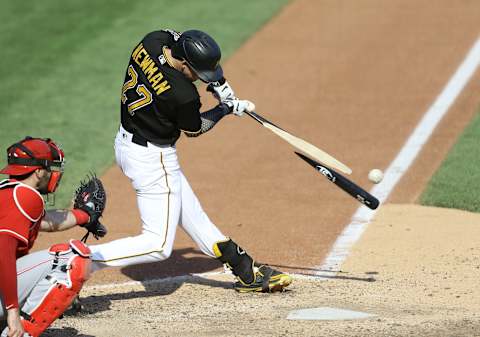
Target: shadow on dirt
x=328, y=274
x=181, y=264
x=64, y=332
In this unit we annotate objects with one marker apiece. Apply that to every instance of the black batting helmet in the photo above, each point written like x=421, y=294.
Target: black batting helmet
x=202, y=54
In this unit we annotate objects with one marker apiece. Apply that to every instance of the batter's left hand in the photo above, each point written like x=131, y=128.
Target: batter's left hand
x=221, y=92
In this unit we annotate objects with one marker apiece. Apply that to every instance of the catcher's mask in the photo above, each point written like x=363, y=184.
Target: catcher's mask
x=30, y=154
x=201, y=53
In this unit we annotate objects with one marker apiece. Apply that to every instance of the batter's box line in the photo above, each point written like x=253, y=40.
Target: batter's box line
x=189, y=277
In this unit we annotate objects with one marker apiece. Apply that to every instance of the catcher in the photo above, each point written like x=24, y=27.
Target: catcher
x=37, y=288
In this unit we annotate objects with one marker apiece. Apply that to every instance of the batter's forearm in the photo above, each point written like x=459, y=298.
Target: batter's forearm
x=210, y=118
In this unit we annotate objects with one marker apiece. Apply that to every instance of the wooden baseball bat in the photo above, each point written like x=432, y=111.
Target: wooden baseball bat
x=345, y=184
x=301, y=144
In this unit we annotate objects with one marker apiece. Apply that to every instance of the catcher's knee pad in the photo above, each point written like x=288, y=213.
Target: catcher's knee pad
x=71, y=269
x=235, y=258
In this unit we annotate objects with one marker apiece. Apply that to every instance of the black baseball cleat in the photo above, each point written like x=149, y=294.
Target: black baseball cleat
x=267, y=280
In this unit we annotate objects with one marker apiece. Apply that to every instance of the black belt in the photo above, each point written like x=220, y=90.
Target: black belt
x=139, y=140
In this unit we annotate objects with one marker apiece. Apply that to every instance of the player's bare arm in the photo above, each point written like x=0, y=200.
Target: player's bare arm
x=59, y=220
x=89, y=204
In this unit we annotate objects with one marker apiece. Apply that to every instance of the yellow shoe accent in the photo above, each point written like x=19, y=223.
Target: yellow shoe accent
x=277, y=281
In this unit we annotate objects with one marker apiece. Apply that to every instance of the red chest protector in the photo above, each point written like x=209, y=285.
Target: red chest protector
x=21, y=212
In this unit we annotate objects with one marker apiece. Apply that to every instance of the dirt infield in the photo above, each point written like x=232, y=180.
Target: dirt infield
x=416, y=283
x=360, y=75
x=353, y=77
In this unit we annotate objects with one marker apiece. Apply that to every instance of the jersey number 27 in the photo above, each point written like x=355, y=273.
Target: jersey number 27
x=141, y=90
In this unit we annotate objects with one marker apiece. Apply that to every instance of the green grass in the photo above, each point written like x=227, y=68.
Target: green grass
x=456, y=184
x=63, y=65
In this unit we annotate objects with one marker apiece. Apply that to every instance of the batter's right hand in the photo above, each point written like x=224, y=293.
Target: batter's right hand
x=15, y=326
x=239, y=106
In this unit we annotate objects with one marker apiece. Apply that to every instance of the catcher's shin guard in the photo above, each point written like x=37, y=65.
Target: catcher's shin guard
x=63, y=290
x=235, y=258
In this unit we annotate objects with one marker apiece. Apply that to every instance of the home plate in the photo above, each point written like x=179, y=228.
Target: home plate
x=327, y=314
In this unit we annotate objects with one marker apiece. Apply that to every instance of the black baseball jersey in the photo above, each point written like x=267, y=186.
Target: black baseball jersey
x=158, y=101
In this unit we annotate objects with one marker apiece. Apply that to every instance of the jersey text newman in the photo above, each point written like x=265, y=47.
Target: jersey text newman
x=153, y=74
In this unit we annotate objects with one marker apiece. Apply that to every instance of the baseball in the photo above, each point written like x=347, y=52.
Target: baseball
x=375, y=176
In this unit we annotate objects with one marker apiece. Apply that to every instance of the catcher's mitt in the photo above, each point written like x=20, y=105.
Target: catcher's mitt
x=90, y=197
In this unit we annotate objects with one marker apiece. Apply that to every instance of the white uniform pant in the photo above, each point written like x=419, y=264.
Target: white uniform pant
x=165, y=199
x=31, y=282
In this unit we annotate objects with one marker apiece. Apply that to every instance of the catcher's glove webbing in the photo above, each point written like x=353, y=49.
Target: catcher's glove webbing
x=90, y=197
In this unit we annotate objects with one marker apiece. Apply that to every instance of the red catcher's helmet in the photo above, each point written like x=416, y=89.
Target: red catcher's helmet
x=35, y=153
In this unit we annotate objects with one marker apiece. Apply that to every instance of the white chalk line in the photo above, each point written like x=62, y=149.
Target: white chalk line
x=180, y=278
x=362, y=217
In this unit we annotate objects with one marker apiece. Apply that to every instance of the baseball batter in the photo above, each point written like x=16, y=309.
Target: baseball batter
x=158, y=102
x=36, y=288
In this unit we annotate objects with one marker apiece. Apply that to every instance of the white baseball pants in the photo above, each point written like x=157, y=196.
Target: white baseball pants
x=31, y=272
x=165, y=199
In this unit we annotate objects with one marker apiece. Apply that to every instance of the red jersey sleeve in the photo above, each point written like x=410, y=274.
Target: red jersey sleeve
x=8, y=271
x=20, y=207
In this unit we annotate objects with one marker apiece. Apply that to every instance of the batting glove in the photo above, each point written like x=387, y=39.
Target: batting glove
x=221, y=90
x=239, y=106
